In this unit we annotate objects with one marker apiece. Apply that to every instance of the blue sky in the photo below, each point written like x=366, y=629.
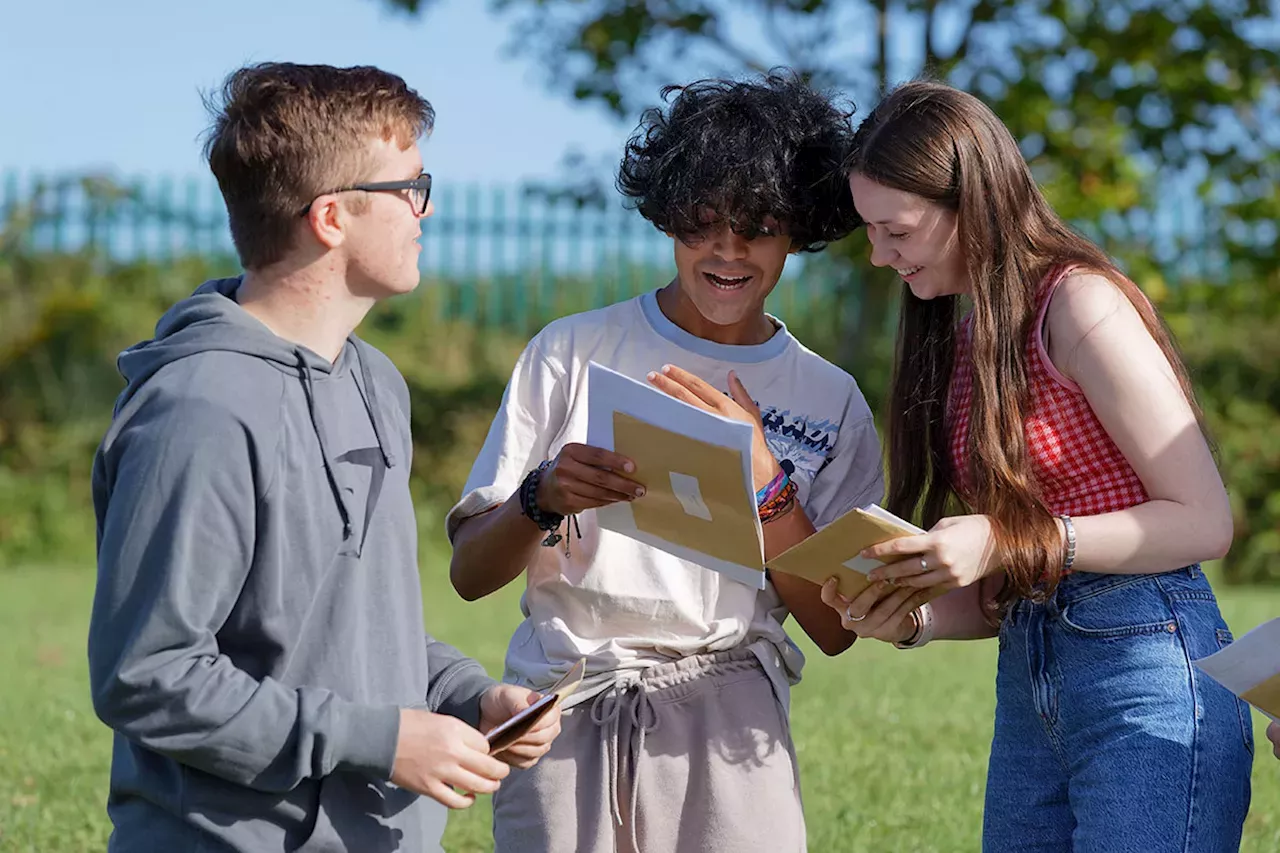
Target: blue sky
x=117, y=85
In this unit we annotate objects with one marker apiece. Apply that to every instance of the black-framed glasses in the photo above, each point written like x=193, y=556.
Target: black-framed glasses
x=418, y=190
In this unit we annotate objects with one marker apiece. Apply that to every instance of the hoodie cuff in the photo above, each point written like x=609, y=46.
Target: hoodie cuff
x=367, y=739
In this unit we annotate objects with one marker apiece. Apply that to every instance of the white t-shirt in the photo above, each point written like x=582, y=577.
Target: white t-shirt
x=625, y=605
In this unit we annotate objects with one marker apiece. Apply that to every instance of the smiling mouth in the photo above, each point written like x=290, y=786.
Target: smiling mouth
x=727, y=282
x=908, y=272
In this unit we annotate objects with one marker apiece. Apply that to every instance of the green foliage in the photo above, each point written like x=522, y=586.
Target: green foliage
x=1227, y=334
x=1109, y=98
x=63, y=320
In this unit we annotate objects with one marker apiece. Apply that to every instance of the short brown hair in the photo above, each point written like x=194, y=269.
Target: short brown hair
x=283, y=134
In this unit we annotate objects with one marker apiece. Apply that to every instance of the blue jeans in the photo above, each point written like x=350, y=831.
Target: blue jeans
x=1106, y=739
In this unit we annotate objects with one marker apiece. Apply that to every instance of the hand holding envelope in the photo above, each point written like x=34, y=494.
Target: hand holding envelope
x=697, y=458
x=507, y=736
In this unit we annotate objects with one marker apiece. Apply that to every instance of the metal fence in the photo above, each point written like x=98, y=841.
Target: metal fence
x=500, y=251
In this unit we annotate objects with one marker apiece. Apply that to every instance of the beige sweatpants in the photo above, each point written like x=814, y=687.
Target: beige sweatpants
x=695, y=756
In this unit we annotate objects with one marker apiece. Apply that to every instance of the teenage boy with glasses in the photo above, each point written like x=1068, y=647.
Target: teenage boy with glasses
x=257, y=639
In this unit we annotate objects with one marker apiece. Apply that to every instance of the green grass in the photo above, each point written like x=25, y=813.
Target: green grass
x=892, y=746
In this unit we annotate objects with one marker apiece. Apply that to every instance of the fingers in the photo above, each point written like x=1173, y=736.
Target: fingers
x=917, y=572
x=447, y=797
x=700, y=388
x=741, y=396
x=894, y=549
x=831, y=595
x=680, y=392
x=575, y=475
x=483, y=766
x=598, y=457
x=537, y=743
x=881, y=621
x=473, y=783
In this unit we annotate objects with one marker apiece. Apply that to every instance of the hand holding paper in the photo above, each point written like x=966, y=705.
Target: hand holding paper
x=523, y=745
x=879, y=612
x=739, y=406
x=520, y=730
x=957, y=552
x=583, y=477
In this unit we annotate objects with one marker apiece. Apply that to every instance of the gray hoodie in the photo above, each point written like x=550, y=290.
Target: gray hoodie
x=257, y=621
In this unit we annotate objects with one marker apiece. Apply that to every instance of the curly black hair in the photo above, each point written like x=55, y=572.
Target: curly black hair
x=748, y=150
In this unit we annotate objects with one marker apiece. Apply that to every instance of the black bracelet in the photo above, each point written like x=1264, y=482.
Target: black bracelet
x=547, y=521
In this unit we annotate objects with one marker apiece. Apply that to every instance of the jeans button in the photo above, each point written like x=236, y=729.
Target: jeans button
x=1172, y=627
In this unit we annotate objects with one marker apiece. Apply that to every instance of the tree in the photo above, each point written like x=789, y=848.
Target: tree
x=1103, y=94
x=1118, y=104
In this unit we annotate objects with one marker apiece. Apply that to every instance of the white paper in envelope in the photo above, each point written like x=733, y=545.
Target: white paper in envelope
x=717, y=525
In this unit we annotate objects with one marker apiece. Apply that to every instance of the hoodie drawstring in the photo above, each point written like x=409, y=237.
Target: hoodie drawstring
x=370, y=395
x=305, y=374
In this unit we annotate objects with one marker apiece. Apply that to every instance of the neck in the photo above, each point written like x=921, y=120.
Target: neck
x=679, y=309
x=304, y=303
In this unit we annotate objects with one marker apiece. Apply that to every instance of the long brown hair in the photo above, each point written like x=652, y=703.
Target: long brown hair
x=948, y=147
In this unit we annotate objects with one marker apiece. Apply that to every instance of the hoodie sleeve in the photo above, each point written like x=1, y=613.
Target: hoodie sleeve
x=457, y=683
x=177, y=487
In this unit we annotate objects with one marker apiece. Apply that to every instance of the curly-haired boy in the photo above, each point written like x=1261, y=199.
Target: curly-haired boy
x=680, y=737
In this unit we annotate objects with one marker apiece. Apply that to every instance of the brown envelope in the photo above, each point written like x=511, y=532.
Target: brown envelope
x=1265, y=696
x=694, y=492
x=824, y=554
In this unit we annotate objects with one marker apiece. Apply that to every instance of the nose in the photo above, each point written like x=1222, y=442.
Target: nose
x=727, y=245
x=881, y=255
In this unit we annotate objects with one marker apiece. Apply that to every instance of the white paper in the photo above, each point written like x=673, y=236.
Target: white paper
x=884, y=515
x=689, y=494
x=609, y=391
x=1249, y=661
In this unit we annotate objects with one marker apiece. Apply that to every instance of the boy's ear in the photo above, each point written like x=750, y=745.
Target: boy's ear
x=327, y=221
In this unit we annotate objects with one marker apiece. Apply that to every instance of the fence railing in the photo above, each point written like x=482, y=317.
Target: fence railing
x=498, y=250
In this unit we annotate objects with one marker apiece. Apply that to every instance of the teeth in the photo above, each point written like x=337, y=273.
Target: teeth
x=909, y=271
x=727, y=282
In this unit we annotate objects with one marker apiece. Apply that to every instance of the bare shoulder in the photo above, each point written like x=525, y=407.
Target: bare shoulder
x=1086, y=303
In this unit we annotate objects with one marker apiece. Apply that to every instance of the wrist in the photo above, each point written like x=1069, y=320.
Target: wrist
x=912, y=629
x=1068, y=529
x=922, y=621
x=531, y=500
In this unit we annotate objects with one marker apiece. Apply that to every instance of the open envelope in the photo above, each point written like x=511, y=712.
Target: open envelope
x=700, y=499
x=696, y=469
x=832, y=552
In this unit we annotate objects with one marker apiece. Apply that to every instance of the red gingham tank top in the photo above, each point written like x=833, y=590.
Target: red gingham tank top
x=1078, y=467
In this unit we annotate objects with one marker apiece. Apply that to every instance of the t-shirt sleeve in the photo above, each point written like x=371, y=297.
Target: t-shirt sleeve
x=854, y=475
x=534, y=408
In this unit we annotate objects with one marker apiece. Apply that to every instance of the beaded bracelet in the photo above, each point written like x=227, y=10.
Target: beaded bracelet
x=772, y=488
x=779, y=504
x=548, y=521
